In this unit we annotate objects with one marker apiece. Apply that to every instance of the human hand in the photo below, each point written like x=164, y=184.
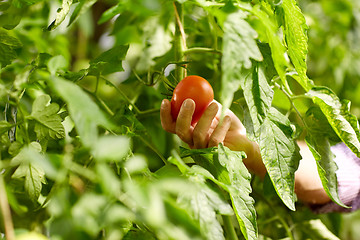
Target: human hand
x=209, y=131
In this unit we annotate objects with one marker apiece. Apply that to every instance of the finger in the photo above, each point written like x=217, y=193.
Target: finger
x=220, y=131
x=201, y=131
x=236, y=124
x=167, y=122
x=183, y=123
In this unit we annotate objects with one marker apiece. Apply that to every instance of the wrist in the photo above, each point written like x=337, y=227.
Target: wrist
x=253, y=160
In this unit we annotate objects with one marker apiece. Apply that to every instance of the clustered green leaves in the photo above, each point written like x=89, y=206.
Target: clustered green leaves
x=82, y=151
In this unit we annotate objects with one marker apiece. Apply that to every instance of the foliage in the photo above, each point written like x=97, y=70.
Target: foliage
x=83, y=154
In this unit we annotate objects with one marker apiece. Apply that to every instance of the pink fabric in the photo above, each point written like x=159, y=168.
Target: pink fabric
x=348, y=176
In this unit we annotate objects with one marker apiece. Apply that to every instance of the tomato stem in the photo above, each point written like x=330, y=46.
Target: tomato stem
x=179, y=40
x=229, y=228
x=201, y=50
x=6, y=213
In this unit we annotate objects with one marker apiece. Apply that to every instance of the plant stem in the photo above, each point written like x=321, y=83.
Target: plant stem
x=229, y=228
x=102, y=103
x=179, y=40
x=122, y=94
x=6, y=213
x=201, y=50
x=145, y=113
x=97, y=84
x=291, y=102
x=138, y=112
x=276, y=215
x=153, y=149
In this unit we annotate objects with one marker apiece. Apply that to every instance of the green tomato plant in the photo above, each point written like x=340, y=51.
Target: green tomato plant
x=82, y=151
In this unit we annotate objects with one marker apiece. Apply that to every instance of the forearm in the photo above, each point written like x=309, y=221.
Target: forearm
x=253, y=160
x=308, y=186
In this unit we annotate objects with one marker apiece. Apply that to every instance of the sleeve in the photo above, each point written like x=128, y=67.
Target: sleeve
x=348, y=176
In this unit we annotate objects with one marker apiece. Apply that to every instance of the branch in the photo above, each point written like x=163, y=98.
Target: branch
x=6, y=213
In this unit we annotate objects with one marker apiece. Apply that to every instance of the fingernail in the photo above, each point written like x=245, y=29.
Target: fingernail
x=213, y=106
x=227, y=118
x=187, y=103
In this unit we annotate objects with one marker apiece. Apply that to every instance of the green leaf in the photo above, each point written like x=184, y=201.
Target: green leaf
x=109, y=61
x=48, y=122
x=205, y=204
x=8, y=44
x=111, y=148
x=338, y=115
x=180, y=216
x=55, y=63
x=280, y=155
x=316, y=229
x=23, y=3
x=4, y=127
x=87, y=211
x=227, y=170
x=320, y=148
x=86, y=115
x=240, y=190
x=10, y=18
x=34, y=178
x=110, y=183
x=239, y=47
x=296, y=39
x=110, y=13
x=258, y=95
x=269, y=27
x=138, y=235
x=80, y=9
x=272, y=129
x=33, y=173
x=61, y=14
x=136, y=164
x=206, y=159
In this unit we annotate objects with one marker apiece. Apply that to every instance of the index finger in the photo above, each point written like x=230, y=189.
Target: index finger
x=167, y=122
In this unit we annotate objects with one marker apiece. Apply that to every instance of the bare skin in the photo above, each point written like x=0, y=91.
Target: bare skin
x=209, y=132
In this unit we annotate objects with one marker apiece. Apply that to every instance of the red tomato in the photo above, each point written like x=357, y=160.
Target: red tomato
x=196, y=88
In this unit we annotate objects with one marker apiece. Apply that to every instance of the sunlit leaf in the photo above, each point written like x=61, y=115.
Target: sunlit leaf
x=110, y=13
x=240, y=190
x=338, y=115
x=258, y=95
x=316, y=229
x=206, y=203
x=48, y=122
x=111, y=148
x=239, y=48
x=138, y=235
x=296, y=39
x=8, y=44
x=33, y=174
x=80, y=9
x=109, y=61
x=109, y=181
x=227, y=170
x=55, y=63
x=10, y=18
x=61, y=14
x=86, y=115
x=320, y=148
x=4, y=127
x=280, y=155
x=269, y=27
x=87, y=212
